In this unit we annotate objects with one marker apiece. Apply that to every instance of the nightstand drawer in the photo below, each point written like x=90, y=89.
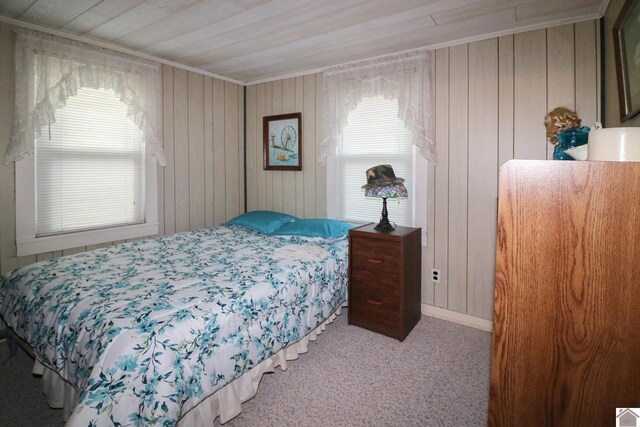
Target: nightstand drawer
x=365, y=266
x=379, y=255
x=370, y=308
x=378, y=286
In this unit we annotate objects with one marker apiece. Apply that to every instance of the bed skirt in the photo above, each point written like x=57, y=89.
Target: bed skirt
x=225, y=402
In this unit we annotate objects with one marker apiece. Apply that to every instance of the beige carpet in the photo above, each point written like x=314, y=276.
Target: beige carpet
x=439, y=376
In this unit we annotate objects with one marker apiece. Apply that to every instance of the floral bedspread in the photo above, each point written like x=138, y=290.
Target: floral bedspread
x=148, y=329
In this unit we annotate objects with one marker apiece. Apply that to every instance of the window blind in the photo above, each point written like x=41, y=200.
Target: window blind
x=374, y=135
x=89, y=166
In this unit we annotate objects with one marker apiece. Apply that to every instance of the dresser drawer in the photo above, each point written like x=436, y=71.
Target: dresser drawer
x=375, y=255
x=368, y=283
x=373, y=309
x=371, y=266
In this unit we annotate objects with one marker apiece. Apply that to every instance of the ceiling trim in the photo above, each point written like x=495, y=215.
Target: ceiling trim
x=530, y=27
x=507, y=32
x=117, y=48
x=307, y=72
x=604, y=6
x=88, y=40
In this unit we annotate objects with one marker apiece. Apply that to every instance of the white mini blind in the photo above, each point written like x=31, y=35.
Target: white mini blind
x=374, y=136
x=89, y=166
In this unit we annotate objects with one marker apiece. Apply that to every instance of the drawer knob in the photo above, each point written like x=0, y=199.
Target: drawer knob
x=374, y=302
x=374, y=260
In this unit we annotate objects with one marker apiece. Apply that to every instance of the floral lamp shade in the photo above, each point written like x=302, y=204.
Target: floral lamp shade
x=383, y=183
x=388, y=191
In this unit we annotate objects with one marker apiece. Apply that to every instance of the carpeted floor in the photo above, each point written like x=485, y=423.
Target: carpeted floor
x=439, y=376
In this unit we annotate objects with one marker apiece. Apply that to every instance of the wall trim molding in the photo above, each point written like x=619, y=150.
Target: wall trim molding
x=604, y=6
x=455, y=317
x=117, y=48
x=591, y=15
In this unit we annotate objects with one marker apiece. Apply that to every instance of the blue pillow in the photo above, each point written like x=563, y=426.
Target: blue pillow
x=321, y=227
x=265, y=222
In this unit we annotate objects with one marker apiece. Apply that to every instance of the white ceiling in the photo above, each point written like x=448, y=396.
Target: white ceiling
x=257, y=40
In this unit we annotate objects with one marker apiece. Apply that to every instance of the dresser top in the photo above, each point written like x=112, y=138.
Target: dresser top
x=370, y=231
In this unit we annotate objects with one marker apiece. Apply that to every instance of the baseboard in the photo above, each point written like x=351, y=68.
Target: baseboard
x=455, y=317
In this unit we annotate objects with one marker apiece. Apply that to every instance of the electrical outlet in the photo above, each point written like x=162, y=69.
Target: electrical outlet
x=435, y=275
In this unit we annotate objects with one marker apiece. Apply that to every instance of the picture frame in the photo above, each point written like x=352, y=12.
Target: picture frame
x=282, y=142
x=626, y=41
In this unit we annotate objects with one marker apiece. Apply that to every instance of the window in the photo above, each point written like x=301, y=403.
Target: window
x=375, y=135
x=87, y=178
x=89, y=166
x=85, y=145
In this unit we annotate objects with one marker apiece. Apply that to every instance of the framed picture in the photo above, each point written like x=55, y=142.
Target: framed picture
x=626, y=40
x=281, y=140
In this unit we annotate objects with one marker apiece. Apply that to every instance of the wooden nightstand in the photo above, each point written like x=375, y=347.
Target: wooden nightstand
x=384, y=280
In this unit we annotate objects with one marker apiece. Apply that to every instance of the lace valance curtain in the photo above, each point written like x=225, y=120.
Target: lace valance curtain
x=405, y=77
x=50, y=69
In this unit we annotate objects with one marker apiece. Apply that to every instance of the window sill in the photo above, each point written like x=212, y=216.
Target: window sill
x=39, y=245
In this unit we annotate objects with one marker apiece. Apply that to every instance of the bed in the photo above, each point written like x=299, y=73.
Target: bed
x=142, y=333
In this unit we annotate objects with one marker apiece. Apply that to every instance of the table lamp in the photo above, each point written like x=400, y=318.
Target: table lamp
x=382, y=183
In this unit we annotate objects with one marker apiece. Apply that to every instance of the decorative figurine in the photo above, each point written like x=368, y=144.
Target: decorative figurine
x=564, y=131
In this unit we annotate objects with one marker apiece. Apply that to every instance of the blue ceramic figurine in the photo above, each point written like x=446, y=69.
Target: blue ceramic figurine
x=570, y=138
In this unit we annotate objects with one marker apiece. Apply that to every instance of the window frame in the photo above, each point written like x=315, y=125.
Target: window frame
x=420, y=178
x=27, y=242
x=146, y=91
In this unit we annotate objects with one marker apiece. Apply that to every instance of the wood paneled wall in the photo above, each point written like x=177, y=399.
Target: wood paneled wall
x=204, y=145
x=491, y=97
x=490, y=100
x=203, y=182
x=303, y=193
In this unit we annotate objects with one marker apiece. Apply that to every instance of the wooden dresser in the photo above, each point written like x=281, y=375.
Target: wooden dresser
x=566, y=331
x=384, y=280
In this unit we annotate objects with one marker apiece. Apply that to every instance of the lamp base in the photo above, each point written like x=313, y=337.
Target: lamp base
x=384, y=226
